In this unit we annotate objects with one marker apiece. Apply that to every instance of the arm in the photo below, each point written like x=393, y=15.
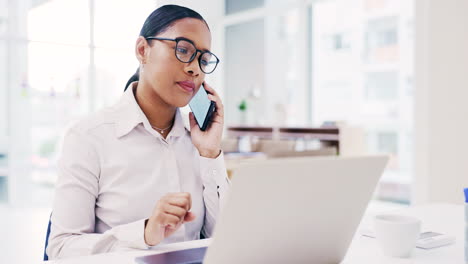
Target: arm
x=212, y=168
x=73, y=216
x=216, y=186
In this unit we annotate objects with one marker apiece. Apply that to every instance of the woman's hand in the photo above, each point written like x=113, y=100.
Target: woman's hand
x=171, y=211
x=208, y=142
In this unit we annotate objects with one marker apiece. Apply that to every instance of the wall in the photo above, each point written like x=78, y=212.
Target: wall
x=19, y=119
x=441, y=94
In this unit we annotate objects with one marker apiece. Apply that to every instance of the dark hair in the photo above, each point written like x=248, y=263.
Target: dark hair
x=159, y=21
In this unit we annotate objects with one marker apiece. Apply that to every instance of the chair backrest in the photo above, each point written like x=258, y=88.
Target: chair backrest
x=47, y=239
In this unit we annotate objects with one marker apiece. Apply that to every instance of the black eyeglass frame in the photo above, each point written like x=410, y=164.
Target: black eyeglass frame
x=176, y=40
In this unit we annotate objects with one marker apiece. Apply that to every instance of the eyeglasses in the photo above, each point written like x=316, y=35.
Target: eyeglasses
x=185, y=51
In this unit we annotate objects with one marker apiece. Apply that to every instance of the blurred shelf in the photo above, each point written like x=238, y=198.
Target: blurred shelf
x=321, y=133
x=240, y=131
x=328, y=135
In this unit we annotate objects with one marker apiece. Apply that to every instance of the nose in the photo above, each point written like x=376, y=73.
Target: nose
x=192, y=67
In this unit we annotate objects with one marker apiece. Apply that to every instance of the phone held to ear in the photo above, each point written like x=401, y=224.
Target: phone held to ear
x=202, y=108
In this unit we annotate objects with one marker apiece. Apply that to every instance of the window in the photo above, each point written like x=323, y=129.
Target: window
x=65, y=74
x=3, y=17
x=290, y=63
x=117, y=25
x=336, y=61
x=387, y=142
x=234, y=6
x=332, y=60
x=374, y=90
x=3, y=115
x=382, y=40
x=56, y=82
x=3, y=91
x=382, y=86
x=339, y=41
x=3, y=74
x=60, y=21
x=4, y=102
x=244, y=43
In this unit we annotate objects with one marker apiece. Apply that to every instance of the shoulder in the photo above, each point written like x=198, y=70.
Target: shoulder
x=96, y=125
x=93, y=121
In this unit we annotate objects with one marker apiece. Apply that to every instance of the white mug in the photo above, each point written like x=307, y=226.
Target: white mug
x=397, y=234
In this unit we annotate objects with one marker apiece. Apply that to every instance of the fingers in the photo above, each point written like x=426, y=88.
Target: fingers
x=193, y=122
x=209, y=89
x=170, y=213
x=181, y=203
x=169, y=220
x=218, y=117
x=212, y=92
x=189, y=217
x=219, y=104
x=183, y=199
x=173, y=208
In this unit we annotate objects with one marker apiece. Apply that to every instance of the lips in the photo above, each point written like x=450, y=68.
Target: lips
x=188, y=86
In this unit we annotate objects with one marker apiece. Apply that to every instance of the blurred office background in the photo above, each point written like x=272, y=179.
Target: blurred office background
x=395, y=69
x=292, y=63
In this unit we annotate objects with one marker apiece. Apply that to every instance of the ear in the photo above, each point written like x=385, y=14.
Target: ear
x=141, y=49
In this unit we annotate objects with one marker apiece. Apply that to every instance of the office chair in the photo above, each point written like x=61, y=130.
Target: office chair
x=47, y=239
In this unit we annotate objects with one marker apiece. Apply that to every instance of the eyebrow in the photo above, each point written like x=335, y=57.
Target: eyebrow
x=191, y=41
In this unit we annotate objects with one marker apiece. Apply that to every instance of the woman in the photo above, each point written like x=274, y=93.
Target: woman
x=132, y=176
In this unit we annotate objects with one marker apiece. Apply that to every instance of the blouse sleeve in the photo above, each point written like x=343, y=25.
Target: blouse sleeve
x=73, y=215
x=216, y=186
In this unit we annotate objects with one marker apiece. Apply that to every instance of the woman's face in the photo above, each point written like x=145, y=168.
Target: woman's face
x=173, y=81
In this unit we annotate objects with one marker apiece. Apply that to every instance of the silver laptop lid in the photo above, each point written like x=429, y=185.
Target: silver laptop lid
x=298, y=210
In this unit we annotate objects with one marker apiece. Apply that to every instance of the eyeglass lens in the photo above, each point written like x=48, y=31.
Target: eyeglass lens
x=186, y=52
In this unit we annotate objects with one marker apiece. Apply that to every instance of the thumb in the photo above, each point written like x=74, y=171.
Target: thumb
x=189, y=217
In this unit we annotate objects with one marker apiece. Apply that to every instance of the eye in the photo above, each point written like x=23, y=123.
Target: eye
x=182, y=50
x=204, y=62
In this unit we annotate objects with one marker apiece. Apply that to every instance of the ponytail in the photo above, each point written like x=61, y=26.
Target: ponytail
x=134, y=78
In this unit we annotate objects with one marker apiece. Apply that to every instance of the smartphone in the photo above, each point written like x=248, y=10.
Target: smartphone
x=202, y=108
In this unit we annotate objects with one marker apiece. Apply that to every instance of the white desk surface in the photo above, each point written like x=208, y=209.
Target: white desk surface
x=443, y=218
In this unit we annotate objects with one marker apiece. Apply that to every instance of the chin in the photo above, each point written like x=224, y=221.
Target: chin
x=179, y=99
x=181, y=102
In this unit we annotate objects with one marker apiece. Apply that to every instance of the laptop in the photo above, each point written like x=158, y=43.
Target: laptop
x=293, y=210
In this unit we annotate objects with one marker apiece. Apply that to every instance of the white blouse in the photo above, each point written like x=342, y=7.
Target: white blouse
x=112, y=171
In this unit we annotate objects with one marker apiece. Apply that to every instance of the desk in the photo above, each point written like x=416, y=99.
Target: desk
x=445, y=218
x=442, y=218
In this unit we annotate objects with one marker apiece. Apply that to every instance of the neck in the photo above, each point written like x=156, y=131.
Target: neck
x=158, y=112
